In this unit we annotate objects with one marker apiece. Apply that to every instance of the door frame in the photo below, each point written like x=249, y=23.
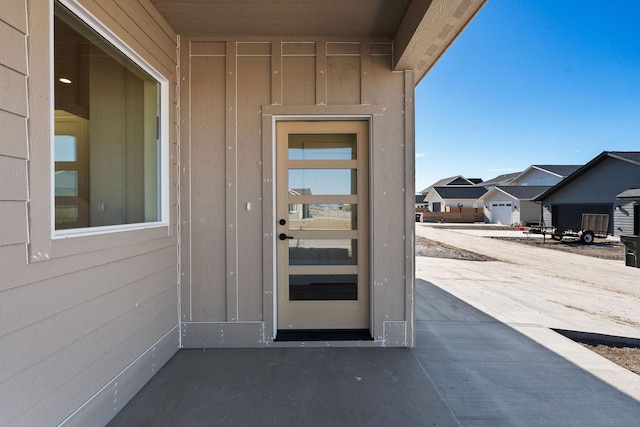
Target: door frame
x=273, y=201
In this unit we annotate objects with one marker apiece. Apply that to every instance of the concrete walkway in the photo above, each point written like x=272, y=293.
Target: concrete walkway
x=489, y=326
x=485, y=356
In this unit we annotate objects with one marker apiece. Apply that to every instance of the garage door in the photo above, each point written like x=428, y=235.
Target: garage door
x=501, y=213
x=569, y=217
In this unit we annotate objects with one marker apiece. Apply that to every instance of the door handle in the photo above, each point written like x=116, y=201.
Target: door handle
x=283, y=236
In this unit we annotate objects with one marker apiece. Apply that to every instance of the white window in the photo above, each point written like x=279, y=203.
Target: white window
x=109, y=149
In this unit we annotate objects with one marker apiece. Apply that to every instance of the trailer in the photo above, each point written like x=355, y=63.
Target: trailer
x=592, y=226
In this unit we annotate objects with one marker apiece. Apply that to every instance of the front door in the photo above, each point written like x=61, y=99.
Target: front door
x=322, y=229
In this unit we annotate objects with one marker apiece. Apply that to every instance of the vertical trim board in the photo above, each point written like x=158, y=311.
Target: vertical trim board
x=409, y=192
x=231, y=167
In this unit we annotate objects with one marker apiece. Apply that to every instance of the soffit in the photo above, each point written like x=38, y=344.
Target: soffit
x=284, y=18
x=421, y=30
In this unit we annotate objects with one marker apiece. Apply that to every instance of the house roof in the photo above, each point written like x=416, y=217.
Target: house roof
x=523, y=192
x=420, y=31
x=560, y=170
x=627, y=156
x=452, y=180
x=632, y=193
x=460, y=192
x=475, y=180
x=501, y=179
x=420, y=198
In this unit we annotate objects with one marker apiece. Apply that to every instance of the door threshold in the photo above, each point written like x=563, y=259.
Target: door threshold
x=323, y=335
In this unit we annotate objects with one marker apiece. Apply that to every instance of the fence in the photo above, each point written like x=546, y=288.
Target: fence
x=452, y=214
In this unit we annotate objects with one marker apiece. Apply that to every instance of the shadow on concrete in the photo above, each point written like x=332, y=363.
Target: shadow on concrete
x=492, y=375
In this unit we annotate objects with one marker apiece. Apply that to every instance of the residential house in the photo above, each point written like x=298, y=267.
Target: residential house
x=513, y=204
x=594, y=188
x=452, y=180
x=148, y=148
x=504, y=179
x=461, y=196
x=544, y=174
x=421, y=203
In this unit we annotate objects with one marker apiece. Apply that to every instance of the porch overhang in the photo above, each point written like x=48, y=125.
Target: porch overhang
x=421, y=30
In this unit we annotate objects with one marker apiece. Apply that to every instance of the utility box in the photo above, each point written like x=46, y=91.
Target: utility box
x=631, y=250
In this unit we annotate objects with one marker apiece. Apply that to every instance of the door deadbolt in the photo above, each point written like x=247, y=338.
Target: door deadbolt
x=282, y=222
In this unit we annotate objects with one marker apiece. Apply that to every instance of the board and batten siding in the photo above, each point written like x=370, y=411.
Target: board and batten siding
x=230, y=91
x=86, y=322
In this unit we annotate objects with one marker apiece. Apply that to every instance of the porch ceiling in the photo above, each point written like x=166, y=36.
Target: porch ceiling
x=421, y=29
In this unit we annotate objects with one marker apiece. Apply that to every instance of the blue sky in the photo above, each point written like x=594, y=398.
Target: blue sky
x=531, y=82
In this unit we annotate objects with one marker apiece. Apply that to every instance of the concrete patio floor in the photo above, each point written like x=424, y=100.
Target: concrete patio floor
x=483, y=358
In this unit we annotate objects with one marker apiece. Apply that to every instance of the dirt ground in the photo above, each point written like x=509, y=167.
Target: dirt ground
x=433, y=249
x=626, y=356
x=605, y=249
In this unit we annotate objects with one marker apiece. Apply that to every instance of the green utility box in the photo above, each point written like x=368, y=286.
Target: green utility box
x=631, y=250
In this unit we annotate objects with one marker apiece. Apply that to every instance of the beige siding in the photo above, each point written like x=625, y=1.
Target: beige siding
x=253, y=72
x=234, y=88
x=207, y=162
x=93, y=308
x=14, y=134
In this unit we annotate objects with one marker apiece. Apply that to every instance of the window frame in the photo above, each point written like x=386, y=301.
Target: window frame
x=163, y=128
x=44, y=244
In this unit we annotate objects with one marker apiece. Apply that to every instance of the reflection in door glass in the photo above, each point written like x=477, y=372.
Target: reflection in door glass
x=322, y=146
x=325, y=182
x=335, y=216
x=66, y=183
x=323, y=287
x=64, y=148
x=323, y=252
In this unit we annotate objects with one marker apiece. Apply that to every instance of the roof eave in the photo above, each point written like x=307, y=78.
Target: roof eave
x=428, y=29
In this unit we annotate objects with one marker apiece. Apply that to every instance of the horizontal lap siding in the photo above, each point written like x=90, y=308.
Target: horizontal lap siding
x=13, y=133
x=70, y=324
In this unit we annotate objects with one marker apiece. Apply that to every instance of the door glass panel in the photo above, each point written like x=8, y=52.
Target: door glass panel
x=322, y=147
x=322, y=182
x=66, y=183
x=323, y=287
x=335, y=216
x=323, y=252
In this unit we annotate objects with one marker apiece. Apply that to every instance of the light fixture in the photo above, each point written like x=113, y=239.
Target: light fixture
x=618, y=207
x=64, y=80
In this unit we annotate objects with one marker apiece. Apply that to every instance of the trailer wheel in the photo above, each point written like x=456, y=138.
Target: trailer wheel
x=587, y=237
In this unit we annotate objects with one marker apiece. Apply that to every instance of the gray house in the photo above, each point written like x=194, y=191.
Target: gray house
x=604, y=186
x=148, y=150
